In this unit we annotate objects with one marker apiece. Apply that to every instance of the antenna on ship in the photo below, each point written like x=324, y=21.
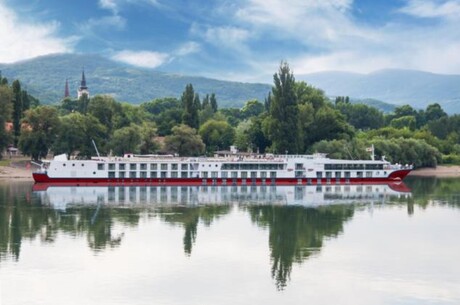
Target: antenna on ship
x=95, y=147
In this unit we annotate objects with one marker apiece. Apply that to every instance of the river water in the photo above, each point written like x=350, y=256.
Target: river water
x=231, y=245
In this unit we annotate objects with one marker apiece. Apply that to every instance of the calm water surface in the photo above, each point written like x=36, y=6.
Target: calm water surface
x=231, y=245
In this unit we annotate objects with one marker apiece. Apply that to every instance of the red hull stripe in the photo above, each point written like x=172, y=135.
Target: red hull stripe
x=393, y=177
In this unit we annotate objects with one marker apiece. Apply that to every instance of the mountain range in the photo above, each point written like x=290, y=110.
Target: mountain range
x=44, y=77
x=399, y=87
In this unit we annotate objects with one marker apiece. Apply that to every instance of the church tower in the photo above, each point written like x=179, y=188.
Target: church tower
x=66, y=90
x=83, y=89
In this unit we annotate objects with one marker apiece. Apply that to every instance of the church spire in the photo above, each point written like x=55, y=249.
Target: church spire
x=83, y=80
x=66, y=90
x=83, y=89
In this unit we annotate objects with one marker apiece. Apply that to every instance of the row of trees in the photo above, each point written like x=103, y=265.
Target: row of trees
x=295, y=118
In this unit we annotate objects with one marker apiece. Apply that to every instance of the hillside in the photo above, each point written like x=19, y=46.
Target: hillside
x=399, y=87
x=44, y=77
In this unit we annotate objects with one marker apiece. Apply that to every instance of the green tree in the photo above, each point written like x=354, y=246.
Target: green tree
x=6, y=108
x=434, y=112
x=39, y=131
x=190, y=104
x=252, y=108
x=213, y=102
x=76, y=133
x=217, y=135
x=407, y=121
x=17, y=110
x=148, y=135
x=184, y=141
x=126, y=140
x=283, y=116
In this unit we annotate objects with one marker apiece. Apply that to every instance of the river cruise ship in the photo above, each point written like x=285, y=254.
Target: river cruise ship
x=225, y=168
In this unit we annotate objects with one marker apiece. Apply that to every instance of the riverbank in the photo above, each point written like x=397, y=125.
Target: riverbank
x=440, y=172
x=16, y=170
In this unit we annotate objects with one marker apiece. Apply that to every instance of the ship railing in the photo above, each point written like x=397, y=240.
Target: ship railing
x=398, y=166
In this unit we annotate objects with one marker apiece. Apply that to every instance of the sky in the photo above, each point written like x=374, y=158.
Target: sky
x=242, y=40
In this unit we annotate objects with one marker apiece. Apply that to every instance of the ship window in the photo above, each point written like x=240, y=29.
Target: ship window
x=143, y=166
x=183, y=174
x=263, y=174
x=204, y=174
x=368, y=174
x=153, y=174
x=214, y=174
x=121, y=166
x=338, y=174
x=359, y=174
x=174, y=174
x=73, y=164
x=328, y=174
x=133, y=166
x=298, y=166
x=272, y=174
x=82, y=164
x=164, y=166
x=174, y=166
x=184, y=166
x=319, y=174
x=143, y=175
x=347, y=175
x=100, y=166
x=163, y=174
x=153, y=166
x=121, y=174
x=132, y=174
x=111, y=174
x=234, y=174
x=224, y=174
x=63, y=164
x=111, y=166
x=244, y=174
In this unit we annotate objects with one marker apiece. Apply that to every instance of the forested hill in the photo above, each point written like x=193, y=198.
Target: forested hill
x=399, y=87
x=44, y=77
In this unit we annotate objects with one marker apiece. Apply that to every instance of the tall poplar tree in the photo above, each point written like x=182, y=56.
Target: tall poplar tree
x=283, y=120
x=213, y=102
x=191, y=105
x=17, y=110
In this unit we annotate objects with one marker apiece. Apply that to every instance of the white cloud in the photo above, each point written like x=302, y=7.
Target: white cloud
x=23, y=40
x=225, y=37
x=316, y=35
x=111, y=22
x=188, y=48
x=146, y=59
x=109, y=4
x=431, y=9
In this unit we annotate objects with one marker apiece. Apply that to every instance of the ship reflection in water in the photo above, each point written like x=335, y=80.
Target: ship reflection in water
x=298, y=218
x=61, y=197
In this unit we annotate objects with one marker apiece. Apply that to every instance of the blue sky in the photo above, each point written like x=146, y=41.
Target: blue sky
x=239, y=39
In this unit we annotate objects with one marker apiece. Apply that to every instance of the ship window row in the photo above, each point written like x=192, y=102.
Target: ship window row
x=174, y=174
x=352, y=166
x=146, y=166
x=346, y=175
x=249, y=166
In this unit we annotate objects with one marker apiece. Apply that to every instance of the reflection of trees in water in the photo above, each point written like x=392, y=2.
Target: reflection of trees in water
x=427, y=189
x=295, y=233
x=24, y=217
x=189, y=218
